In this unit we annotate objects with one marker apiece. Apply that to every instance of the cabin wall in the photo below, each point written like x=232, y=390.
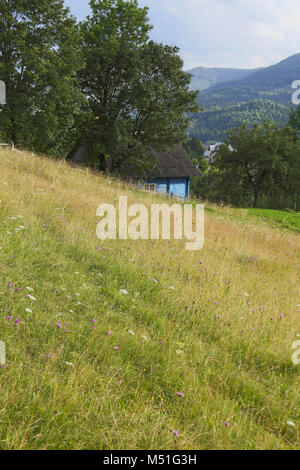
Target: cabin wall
x=162, y=184
x=178, y=187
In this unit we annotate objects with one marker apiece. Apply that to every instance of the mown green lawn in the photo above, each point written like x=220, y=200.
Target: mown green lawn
x=285, y=219
x=282, y=220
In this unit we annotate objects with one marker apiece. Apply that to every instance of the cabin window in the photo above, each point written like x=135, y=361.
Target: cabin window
x=150, y=187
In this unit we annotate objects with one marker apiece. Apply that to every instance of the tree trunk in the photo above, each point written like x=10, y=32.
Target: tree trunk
x=13, y=132
x=102, y=163
x=255, y=200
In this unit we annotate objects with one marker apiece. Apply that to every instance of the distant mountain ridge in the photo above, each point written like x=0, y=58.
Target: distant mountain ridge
x=280, y=75
x=205, y=77
x=223, y=98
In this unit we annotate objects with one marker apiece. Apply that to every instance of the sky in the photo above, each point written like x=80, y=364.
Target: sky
x=222, y=33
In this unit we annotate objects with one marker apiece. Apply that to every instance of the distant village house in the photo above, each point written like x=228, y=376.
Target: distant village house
x=211, y=152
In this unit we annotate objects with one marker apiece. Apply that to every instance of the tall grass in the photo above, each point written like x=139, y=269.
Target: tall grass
x=218, y=326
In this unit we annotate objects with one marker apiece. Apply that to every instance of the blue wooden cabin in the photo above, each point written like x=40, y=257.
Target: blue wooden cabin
x=173, y=173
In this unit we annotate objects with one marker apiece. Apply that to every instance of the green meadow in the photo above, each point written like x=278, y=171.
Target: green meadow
x=142, y=345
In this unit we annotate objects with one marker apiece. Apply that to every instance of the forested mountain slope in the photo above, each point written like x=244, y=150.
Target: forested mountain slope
x=221, y=101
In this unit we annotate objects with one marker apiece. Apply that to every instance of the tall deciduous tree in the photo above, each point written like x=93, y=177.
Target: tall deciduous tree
x=138, y=95
x=39, y=57
x=256, y=161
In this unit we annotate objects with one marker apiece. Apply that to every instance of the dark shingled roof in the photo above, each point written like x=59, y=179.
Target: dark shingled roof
x=174, y=164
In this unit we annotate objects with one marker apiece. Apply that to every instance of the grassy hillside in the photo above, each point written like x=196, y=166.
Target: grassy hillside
x=217, y=326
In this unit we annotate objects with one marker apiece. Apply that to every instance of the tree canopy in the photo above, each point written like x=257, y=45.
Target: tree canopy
x=137, y=93
x=39, y=57
x=254, y=165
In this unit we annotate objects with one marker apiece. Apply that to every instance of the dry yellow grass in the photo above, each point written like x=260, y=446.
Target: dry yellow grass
x=223, y=337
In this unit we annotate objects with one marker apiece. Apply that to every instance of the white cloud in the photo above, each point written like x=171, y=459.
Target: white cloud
x=171, y=7
x=239, y=33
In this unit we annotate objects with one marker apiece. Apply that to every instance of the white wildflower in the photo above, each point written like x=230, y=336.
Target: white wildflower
x=69, y=364
x=31, y=297
x=290, y=423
